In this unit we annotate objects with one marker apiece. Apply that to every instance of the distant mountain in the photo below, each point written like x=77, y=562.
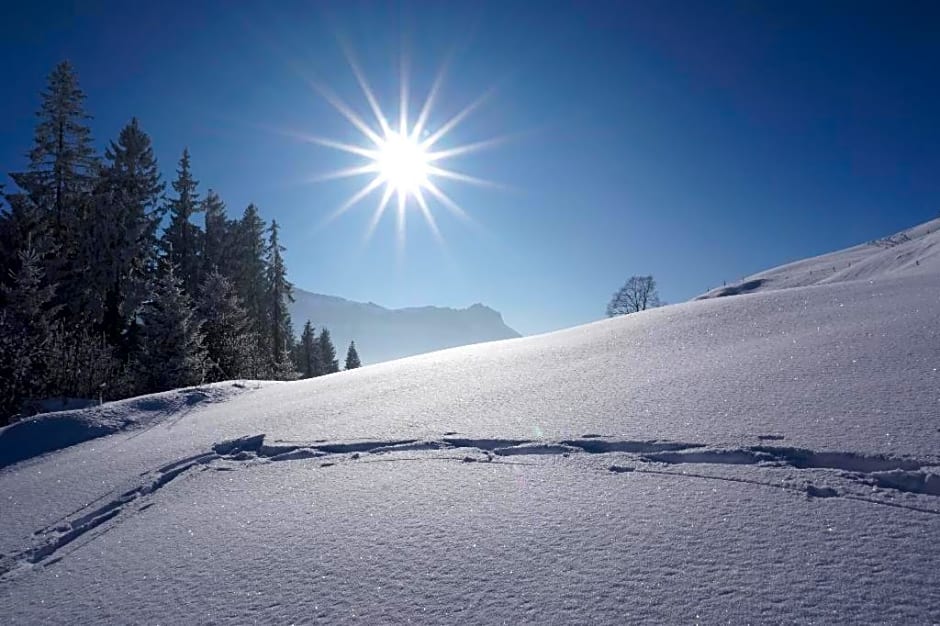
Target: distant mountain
x=384, y=334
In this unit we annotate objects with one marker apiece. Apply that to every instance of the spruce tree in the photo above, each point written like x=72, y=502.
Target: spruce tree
x=171, y=352
x=62, y=162
x=228, y=338
x=327, y=353
x=218, y=235
x=182, y=240
x=308, y=353
x=280, y=293
x=22, y=225
x=82, y=277
x=8, y=246
x=54, y=189
x=27, y=327
x=122, y=233
x=352, y=357
x=84, y=365
x=248, y=267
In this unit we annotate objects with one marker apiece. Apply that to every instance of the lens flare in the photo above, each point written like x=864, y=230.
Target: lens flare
x=403, y=162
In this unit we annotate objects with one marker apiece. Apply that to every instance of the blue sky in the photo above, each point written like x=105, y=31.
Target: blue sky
x=697, y=141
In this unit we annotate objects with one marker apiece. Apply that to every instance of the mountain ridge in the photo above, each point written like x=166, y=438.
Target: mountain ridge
x=384, y=334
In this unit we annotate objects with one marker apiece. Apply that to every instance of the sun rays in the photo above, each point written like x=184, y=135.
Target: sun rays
x=400, y=156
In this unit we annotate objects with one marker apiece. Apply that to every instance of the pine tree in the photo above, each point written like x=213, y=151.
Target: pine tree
x=327, y=353
x=280, y=293
x=122, y=235
x=62, y=162
x=228, y=339
x=84, y=365
x=171, y=352
x=248, y=267
x=96, y=281
x=22, y=225
x=54, y=189
x=218, y=239
x=352, y=357
x=27, y=327
x=182, y=240
x=308, y=353
x=8, y=246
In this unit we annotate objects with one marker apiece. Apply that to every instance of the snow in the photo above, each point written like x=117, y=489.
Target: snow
x=769, y=457
x=380, y=542
x=64, y=427
x=912, y=251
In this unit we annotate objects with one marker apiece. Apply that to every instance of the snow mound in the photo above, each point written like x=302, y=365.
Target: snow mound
x=48, y=432
x=915, y=250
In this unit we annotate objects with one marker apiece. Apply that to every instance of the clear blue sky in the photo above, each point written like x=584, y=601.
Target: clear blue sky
x=697, y=141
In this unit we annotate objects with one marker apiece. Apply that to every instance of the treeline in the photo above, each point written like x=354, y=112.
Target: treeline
x=314, y=355
x=109, y=288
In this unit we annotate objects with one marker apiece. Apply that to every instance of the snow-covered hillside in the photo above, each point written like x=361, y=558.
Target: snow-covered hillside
x=383, y=334
x=912, y=251
x=773, y=457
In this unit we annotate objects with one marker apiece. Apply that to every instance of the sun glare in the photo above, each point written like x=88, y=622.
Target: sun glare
x=404, y=163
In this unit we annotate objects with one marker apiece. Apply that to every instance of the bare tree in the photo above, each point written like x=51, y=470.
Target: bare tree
x=637, y=294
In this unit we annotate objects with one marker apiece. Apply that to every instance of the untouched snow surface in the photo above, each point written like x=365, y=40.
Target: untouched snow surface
x=772, y=457
x=911, y=251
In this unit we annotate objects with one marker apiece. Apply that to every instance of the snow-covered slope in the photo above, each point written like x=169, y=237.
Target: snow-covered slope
x=912, y=251
x=385, y=334
x=773, y=457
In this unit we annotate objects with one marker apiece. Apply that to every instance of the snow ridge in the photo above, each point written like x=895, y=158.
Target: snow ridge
x=49, y=432
x=913, y=251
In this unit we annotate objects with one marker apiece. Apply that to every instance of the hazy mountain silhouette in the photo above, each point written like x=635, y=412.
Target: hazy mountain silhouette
x=383, y=334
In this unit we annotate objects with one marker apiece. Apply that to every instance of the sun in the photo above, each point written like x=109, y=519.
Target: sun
x=404, y=161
